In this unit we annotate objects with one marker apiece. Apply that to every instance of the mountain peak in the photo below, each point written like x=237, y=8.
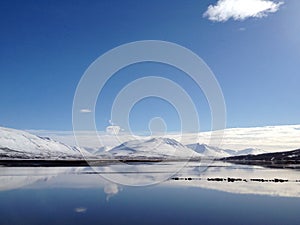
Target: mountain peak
x=163, y=140
x=153, y=147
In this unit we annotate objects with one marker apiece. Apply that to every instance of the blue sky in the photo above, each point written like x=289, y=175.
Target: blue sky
x=47, y=45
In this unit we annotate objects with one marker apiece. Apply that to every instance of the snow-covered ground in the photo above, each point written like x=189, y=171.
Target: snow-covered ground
x=21, y=144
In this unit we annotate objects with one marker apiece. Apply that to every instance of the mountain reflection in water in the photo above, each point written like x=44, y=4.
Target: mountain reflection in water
x=241, y=179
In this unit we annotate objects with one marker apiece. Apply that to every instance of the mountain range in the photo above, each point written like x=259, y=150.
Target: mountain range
x=216, y=152
x=17, y=144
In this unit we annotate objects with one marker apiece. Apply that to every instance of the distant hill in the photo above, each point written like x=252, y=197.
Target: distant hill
x=277, y=158
x=16, y=144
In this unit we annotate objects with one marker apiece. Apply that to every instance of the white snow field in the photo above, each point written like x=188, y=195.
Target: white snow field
x=21, y=144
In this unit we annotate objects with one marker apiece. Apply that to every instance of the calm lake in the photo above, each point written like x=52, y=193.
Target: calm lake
x=214, y=193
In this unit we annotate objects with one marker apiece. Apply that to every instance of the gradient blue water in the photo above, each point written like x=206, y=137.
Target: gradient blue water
x=144, y=205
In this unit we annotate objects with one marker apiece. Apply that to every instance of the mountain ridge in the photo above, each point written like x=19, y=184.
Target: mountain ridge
x=21, y=144
x=153, y=147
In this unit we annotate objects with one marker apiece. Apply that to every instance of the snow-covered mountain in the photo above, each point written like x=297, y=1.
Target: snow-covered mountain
x=101, y=150
x=152, y=148
x=21, y=144
x=24, y=145
x=210, y=151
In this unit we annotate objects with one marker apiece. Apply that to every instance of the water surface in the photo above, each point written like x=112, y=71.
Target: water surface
x=83, y=196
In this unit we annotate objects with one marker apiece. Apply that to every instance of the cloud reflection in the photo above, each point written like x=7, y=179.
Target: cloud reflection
x=86, y=178
x=111, y=189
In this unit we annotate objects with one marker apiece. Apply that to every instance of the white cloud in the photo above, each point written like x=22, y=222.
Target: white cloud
x=240, y=9
x=113, y=129
x=85, y=111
